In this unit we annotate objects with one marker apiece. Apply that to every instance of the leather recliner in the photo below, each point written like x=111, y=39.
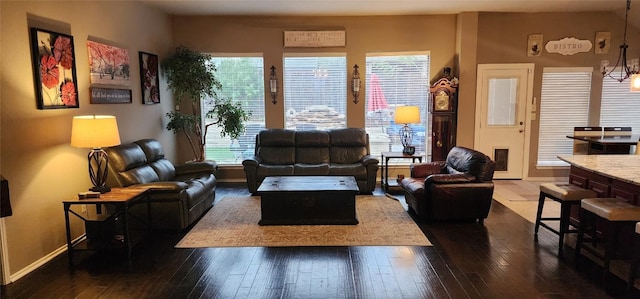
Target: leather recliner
x=179, y=194
x=459, y=188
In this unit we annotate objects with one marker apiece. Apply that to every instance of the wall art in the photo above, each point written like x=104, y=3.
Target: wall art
x=149, y=80
x=108, y=65
x=568, y=46
x=54, y=69
x=101, y=95
x=602, y=42
x=534, y=45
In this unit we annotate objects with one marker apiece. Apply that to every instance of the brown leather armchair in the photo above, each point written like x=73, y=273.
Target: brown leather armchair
x=459, y=188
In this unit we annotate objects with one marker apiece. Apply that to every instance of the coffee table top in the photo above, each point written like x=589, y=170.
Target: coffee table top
x=308, y=183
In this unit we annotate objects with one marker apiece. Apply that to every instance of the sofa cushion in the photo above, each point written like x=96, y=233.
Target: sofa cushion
x=356, y=170
x=126, y=156
x=312, y=147
x=311, y=169
x=277, y=146
x=273, y=170
x=348, y=146
x=139, y=175
x=151, y=148
x=165, y=169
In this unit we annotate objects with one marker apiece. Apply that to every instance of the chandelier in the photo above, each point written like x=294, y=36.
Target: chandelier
x=625, y=71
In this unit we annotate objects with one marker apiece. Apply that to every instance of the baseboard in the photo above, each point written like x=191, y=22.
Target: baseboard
x=40, y=262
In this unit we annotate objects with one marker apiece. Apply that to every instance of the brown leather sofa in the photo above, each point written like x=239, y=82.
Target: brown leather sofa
x=179, y=194
x=340, y=152
x=459, y=188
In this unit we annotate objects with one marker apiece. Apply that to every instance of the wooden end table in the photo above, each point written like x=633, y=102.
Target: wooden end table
x=384, y=174
x=121, y=199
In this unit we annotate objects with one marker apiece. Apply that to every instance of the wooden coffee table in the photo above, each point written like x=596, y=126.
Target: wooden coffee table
x=293, y=200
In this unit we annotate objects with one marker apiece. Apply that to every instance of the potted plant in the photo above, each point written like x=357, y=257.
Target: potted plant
x=191, y=76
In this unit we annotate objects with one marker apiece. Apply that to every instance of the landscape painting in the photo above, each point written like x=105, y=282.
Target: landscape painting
x=109, y=65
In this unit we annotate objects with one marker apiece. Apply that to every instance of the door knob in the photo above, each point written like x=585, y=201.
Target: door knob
x=520, y=131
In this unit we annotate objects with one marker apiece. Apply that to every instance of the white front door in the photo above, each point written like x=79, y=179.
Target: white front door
x=503, y=94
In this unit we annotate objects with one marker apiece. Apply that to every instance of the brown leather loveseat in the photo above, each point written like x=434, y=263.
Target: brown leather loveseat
x=459, y=188
x=180, y=194
x=340, y=152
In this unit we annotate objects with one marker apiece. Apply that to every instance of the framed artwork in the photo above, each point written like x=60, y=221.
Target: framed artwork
x=54, y=69
x=101, y=95
x=534, y=45
x=149, y=81
x=602, y=42
x=108, y=65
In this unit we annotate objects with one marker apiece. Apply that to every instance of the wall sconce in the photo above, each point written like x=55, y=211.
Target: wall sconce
x=273, y=85
x=355, y=84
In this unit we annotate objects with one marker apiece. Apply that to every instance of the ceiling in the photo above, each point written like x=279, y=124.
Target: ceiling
x=381, y=7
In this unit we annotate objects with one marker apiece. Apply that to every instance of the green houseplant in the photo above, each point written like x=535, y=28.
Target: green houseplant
x=191, y=76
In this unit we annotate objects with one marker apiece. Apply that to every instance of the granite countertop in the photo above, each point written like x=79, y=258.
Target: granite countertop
x=622, y=167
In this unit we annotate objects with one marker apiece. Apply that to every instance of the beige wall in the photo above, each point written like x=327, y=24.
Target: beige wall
x=36, y=158
x=502, y=38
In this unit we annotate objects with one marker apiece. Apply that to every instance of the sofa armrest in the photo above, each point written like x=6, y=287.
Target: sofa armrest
x=253, y=161
x=423, y=170
x=197, y=167
x=460, y=178
x=369, y=160
x=165, y=186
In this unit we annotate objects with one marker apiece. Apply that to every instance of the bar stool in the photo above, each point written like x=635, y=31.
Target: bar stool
x=635, y=261
x=567, y=195
x=616, y=213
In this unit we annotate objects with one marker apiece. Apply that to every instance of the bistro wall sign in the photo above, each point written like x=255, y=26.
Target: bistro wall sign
x=568, y=46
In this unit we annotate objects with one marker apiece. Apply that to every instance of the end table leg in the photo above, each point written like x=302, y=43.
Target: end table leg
x=69, y=245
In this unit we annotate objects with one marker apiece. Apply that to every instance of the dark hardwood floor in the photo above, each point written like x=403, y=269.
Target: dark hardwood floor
x=468, y=260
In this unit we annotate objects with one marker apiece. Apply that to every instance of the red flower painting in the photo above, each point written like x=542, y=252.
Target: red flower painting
x=54, y=65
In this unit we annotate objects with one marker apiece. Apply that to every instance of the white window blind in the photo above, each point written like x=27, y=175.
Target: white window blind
x=242, y=79
x=564, y=104
x=395, y=79
x=315, y=93
x=620, y=106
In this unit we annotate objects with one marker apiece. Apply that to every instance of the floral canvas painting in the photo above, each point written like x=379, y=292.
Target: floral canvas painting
x=149, y=78
x=108, y=65
x=54, y=69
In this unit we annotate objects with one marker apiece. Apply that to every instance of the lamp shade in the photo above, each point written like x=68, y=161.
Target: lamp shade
x=407, y=115
x=94, y=131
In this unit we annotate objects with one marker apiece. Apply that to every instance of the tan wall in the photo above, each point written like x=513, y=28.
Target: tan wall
x=228, y=34
x=36, y=158
x=502, y=38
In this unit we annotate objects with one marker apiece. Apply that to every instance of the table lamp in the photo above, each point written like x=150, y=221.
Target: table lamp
x=96, y=132
x=407, y=115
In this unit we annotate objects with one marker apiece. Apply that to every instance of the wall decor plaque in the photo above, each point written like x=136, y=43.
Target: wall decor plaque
x=314, y=39
x=568, y=46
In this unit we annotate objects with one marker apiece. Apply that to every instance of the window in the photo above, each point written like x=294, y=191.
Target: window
x=315, y=93
x=242, y=80
x=564, y=104
x=395, y=79
x=619, y=105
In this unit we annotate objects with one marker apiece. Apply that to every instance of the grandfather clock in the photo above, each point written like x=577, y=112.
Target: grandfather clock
x=443, y=108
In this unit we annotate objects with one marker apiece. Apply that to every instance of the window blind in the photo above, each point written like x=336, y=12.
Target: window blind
x=620, y=106
x=315, y=93
x=564, y=104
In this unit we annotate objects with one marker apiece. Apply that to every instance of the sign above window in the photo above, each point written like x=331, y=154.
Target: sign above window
x=315, y=39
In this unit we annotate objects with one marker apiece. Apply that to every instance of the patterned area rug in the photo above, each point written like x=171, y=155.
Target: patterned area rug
x=234, y=223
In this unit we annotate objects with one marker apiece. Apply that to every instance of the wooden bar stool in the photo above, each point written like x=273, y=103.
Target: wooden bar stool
x=635, y=261
x=567, y=195
x=616, y=213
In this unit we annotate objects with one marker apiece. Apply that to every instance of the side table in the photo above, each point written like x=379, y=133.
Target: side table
x=384, y=174
x=121, y=199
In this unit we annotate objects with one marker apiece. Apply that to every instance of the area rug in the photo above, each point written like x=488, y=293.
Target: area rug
x=234, y=223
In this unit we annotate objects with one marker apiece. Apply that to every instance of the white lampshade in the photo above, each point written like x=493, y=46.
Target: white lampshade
x=94, y=131
x=407, y=115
